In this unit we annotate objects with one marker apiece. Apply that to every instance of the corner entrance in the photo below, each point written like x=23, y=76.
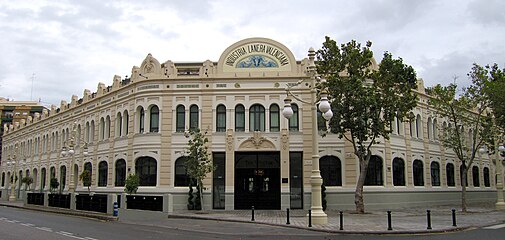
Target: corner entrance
x=257, y=180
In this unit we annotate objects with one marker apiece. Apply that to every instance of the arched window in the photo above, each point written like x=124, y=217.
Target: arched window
x=107, y=127
x=274, y=118
x=63, y=177
x=182, y=178
x=487, y=183
x=145, y=168
x=293, y=120
x=180, y=119
x=220, y=118
x=119, y=125
x=102, y=174
x=193, y=117
x=239, y=118
x=418, y=171
x=125, y=123
x=461, y=170
x=449, y=172
x=42, y=178
x=257, y=118
x=331, y=170
x=102, y=128
x=435, y=173
x=154, y=125
x=35, y=178
x=88, y=167
x=92, y=131
x=412, y=127
x=475, y=176
x=419, y=129
x=429, y=128
x=398, y=172
x=374, y=172
x=3, y=179
x=141, y=119
x=120, y=173
x=435, y=129
x=52, y=172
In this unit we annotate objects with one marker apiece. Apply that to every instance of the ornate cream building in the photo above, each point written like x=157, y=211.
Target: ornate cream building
x=138, y=125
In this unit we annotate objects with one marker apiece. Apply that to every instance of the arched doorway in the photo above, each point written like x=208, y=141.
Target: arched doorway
x=257, y=180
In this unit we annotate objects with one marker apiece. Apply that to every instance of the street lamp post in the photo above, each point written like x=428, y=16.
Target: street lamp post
x=500, y=204
x=12, y=196
x=317, y=213
x=70, y=151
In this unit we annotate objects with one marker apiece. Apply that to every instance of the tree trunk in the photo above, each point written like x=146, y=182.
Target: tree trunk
x=358, y=195
x=463, y=190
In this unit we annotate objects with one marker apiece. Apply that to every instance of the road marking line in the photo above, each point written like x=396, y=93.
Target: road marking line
x=2, y=218
x=15, y=221
x=90, y=238
x=27, y=224
x=44, y=229
x=11, y=221
x=496, y=226
x=67, y=234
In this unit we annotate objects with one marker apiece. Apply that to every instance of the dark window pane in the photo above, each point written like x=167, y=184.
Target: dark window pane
x=120, y=173
x=331, y=170
x=418, y=171
x=450, y=175
x=435, y=174
x=221, y=118
x=102, y=174
x=398, y=172
x=239, y=118
x=274, y=118
x=180, y=119
x=145, y=168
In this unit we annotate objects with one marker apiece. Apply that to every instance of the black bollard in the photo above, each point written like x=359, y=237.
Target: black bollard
x=310, y=218
x=287, y=215
x=252, y=213
x=454, y=218
x=341, y=220
x=389, y=221
x=428, y=218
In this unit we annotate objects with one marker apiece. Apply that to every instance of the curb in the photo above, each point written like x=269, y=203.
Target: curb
x=400, y=232
x=64, y=211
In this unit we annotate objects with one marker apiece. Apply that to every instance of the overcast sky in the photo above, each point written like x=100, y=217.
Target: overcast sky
x=68, y=46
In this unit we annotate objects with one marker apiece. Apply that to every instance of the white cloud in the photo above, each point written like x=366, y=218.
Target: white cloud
x=71, y=46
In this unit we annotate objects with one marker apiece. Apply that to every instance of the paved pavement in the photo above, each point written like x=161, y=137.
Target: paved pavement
x=404, y=220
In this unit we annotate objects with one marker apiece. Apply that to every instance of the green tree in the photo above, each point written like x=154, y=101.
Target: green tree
x=53, y=184
x=494, y=88
x=365, y=98
x=470, y=125
x=27, y=181
x=85, y=177
x=132, y=184
x=199, y=162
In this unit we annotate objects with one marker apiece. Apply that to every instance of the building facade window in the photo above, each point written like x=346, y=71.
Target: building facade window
x=182, y=178
x=293, y=120
x=220, y=118
x=398, y=172
x=107, y=127
x=487, y=183
x=126, y=120
x=331, y=170
x=274, y=118
x=88, y=167
x=418, y=171
x=449, y=173
x=240, y=118
x=102, y=129
x=63, y=177
x=475, y=176
x=435, y=173
x=193, y=117
x=119, y=125
x=3, y=179
x=120, y=173
x=154, y=119
x=462, y=169
x=374, y=172
x=180, y=119
x=257, y=118
x=142, y=117
x=42, y=179
x=102, y=173
x=145, y=168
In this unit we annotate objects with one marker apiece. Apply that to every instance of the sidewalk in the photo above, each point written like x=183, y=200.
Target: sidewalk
x=405, y=220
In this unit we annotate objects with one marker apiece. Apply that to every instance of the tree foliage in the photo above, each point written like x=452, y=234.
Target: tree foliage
x=53, y=184
x=494, y=89
x=365, y=100
x=470, y=124
x=28, y=181
x=85, y=177
x=199, y=162
x=132, y=184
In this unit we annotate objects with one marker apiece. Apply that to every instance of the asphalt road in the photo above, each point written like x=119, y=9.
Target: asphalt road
x=19, y=224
